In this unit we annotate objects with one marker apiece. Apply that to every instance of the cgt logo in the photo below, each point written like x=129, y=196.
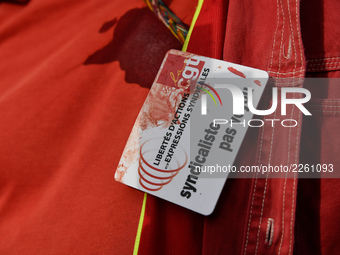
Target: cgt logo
x=190, y=70
x=244, y=99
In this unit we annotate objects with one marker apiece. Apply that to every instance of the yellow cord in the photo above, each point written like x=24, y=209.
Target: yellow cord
x=140, y=226
x=197, y=12
x=185, y=46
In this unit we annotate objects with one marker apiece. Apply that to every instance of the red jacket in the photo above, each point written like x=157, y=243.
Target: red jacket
x=74, y=75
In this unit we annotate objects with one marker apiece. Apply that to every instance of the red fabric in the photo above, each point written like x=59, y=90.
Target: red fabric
x=73, y=78
x=74, y=75
x=274, y=36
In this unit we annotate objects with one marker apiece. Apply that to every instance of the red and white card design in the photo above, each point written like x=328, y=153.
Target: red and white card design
x=157, y=157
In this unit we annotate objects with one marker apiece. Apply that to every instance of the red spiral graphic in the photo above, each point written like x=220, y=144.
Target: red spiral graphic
x=152, y=178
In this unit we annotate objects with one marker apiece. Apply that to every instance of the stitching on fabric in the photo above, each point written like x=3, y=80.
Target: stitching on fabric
x=292, y=84
x=271, y=142
x=323, y=105
x=254, y=190
x=330, y=68
x=284, y=189
x=251, y=212
x=288, y=159
x=322, y=69
x=283, y=218
x=324, y=63
x=292, y=214
x=283, y=28
x=295, y=82
x=326, y=100
x=277, y=26
x=297, y=140
x=265, y=186
x=325, y=66
x=321, y=59
x=294, y=183
x=298, y=32
x=287, y=73
x=325, y=111
x=292, y=32
x=263, y=199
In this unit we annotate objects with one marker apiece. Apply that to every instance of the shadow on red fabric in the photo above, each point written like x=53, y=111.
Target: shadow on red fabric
x=140, y=41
